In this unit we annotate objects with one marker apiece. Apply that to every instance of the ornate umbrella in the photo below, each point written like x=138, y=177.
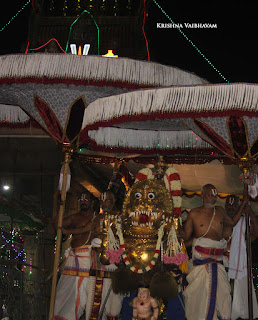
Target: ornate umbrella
x=223, y=115
x=158, y=120
x=55, y=89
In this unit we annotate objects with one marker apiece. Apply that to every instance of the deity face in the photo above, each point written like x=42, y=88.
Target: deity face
x=143, y=294
x=146, y=203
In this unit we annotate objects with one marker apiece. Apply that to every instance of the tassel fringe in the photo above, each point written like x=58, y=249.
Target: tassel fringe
x=205, y=100
x=95, y=68
x=138, y=139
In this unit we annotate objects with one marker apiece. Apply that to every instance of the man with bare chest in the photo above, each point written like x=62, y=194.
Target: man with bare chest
x=72, y=288
x=83, y=225
x=207, y=295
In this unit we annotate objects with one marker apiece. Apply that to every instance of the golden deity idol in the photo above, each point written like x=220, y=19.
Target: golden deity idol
x=147, y=205
x=147, y=233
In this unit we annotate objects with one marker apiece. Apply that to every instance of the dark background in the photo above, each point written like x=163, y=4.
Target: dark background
x=231, y=47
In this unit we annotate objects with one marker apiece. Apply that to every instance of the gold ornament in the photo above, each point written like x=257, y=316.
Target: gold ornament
x=147, y=205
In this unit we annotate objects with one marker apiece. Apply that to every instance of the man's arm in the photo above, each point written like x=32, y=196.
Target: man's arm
x=187, y=232
x=254, y=223
x=91, y=226
x=189, y=242
x=234, y=220
x=66, y=223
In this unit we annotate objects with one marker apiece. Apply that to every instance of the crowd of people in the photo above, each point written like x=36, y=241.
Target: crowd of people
x=216, y=236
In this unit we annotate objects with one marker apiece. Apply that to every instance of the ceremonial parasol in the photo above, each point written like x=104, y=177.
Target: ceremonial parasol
x=55, y=89
x=158, y=120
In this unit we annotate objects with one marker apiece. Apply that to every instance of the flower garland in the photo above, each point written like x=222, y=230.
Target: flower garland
x=248, y=178
x=173, y=184
x=178, y=259
x=114, y=255
x=174, y=253
x=125, y=254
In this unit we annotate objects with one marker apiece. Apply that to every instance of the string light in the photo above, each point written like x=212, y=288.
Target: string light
x=19, y=254
x=13, y=17
x=55, y=245
x=190, y=41
x=30, y=272
x=43, y=45
x=84, y=11
x=143, y=31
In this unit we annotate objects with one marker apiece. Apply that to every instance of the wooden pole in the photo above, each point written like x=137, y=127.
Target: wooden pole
x=249, y=260
x=246, y=165
x=68, y=151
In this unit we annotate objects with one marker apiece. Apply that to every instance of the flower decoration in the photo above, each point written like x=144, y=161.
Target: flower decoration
x=114, y=255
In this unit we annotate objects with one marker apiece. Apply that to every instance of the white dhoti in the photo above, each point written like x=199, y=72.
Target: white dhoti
x=71, y=291
x=238, y=271
x=102, y=302
x=207, y=296
x=85, y=285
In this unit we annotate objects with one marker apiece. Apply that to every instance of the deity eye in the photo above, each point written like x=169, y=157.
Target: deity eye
x=138, y=195
x=151, y=195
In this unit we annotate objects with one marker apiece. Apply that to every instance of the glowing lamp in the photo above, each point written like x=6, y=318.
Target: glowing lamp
x=144, y=256
x=110, y=54
x=6, y=187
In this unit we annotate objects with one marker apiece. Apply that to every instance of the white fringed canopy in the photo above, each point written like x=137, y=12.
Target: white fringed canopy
x=160, y=118
x=45, y=85
x=61, y=67
x=183, y=99
x=146, y=139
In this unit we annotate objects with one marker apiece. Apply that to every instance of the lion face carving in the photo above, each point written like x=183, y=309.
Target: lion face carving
x=146, y=204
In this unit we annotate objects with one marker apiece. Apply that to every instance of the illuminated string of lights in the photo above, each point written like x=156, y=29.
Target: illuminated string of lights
x=43, y=45
x=30, y=272
x=19, y=254
x=55, y=245
x=13, y=17
x=143, y=30
x=70, y=31
x=190, y=41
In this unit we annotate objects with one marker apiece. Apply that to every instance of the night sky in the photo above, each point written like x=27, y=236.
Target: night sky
x=231, y=47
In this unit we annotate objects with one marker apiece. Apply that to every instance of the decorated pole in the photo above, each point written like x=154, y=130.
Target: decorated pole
x=68, y=150
x=249, y=263
x=246, y=165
